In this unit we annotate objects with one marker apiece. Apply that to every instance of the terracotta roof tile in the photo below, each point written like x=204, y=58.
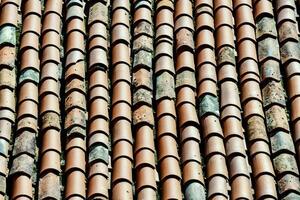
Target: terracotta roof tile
x=149, y=99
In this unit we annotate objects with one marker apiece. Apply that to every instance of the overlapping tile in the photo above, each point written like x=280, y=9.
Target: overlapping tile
x=122, y=139
x=75, y=101
x=251, y=99
x=49, y=96
x=239, y=171
x=188, y=123
x=143, y=118
x=208, y=103
x=8, y=55
x=98, y=134
x=282, y=147
x=24, y=156
x=168, y=158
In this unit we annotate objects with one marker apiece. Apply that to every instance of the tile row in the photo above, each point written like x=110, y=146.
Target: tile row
x=143, y=118
x=8, y=55
x=208, y=103
x=49, y=97
x=75, y=101
x=185, y=86
x=122, y=138
x=167, y=137
x=252, y=103
x=274, y=102
x=98, y=176
x=24, y=155
x=239, y=169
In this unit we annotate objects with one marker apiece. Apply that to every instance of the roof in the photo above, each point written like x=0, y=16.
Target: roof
x=149, y=99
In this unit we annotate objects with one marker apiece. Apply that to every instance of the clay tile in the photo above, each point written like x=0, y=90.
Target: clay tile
x=50, y=162
x=224, y=37
x=120, y=16
x=7, y=99
x=122, y=172
x=164, y=63
x=49, y=103
x=142, y=14
x=223, y=17
x=75, y=185
x=243, y=16
x=98, y=92
x=32, y=7
x=185, y=95
x=276, y=119
x=183, y=7
x=75, y=99
x=286, y=14
x=98, y=125
x=50, y=23
x=166, y=126
x=164, y=31
x=97, y=29
x=206, y=55
x=25, y=95
x=121, y=110
x=98, y=42
x=246, y=32
x=169, y=168
x=121, y=5
x=164, y=48
x=49, y=54
x=185, y=22
x=51, y=38
x=245, y=49
x=262, y=191
x=32, y=24
x=142, y=115
x=259, y=146
x=75, y=25
x=74, y=57
x=98, y=57
x=251, y=90
x=75, y=71
x=295, y=115
x=6, y=130
x=98, y=109
x=98, y=13
x=27, y=108
x=50, y=71
x=164, y=17
x=190, y=152
x=121, y=72
x=19, y=191
x=220, y=4
x=184, y=40
x=263, y=8
x=204, y=39
x=187, y=114
x=122, y=131
x=207, y=72
x=171, y=189
x=51, y=141
x=49, y=186
x=167, y=147
x=288, y=183
x=203, y=3
x=49, y=86
x=144, y=139
x=121, y=93
x=261, y=164
x=143, y=42
x=9, y=14
x=232, y=127
x=121, y=190
x=75, y=117
x=216, y=166
x=211, y=126
x=97, y=185
x=229, y=95
x=235, y=147
x=218, y=188
x=120, y=54
x=75, y=160
x=75, y=35
x=165, y=5
x=144, y=159
x=165, y=107
x=214, y=145
x=7, y=56
x=53, y=6
x=238, y=3
x=98, y=79
x=28, y=59
x=145, y=179
x=241, y=188
x=100, y=141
